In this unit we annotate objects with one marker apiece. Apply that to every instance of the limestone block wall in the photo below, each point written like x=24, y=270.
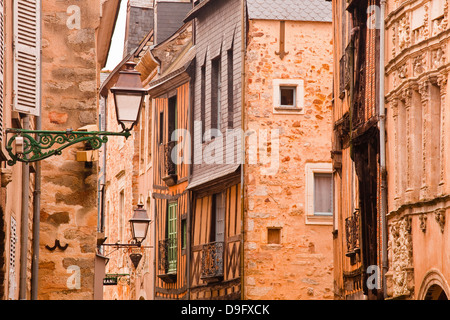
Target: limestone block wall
x=69, y=188
x=300, y=266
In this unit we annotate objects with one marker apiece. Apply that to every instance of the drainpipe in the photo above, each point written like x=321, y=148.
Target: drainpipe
x=383, y=152
x=36, y=210
x=243, y=24
x=24, y=223
x=36, y=224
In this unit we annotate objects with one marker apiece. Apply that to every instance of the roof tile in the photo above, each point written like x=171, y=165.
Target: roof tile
x=294, y=10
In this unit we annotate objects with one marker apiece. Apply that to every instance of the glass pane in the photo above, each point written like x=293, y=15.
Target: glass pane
x=220, y=216
x=128, y=106
x=322, y=193
x=140, y=230
x=172, y=236
x=287, y=95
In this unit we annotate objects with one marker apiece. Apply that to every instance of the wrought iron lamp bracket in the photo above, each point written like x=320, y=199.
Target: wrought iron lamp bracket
x=39, y=144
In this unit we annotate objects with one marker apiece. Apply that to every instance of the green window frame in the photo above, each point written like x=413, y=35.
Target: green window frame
x=172, y=237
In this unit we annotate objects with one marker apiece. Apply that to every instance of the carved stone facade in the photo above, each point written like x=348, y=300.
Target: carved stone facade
x=417, y=143
x=400, y=278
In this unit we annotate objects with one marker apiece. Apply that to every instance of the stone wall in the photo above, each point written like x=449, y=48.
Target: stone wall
x=69, y=188
x=301, y=265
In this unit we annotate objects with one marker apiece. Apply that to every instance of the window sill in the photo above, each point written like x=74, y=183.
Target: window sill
x=287, y=110
x=319, y=220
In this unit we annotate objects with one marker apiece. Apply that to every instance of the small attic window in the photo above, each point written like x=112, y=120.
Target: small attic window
x=287, y=96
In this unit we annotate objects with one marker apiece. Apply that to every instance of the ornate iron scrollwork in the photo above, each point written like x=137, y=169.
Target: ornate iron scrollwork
x=170, y=165
x=212, y=260
x=39, y=145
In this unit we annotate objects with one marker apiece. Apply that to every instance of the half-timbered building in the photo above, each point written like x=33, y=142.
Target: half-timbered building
x=215, y=181
x=170, y=93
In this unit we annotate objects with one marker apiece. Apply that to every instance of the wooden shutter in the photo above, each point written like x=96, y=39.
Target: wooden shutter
x=2, y=55
x=27, y=44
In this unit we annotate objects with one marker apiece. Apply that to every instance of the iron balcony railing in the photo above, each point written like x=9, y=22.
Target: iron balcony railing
x=352, y=234
x=170, y=166
x=167, y=253
x=212, y=260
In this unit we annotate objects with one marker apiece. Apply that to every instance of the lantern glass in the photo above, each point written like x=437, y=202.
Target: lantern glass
x=128, y=105
x=128, y=96
x=139, y=230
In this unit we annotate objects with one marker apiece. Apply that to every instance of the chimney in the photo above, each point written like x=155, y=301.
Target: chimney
x=169, y=16
x=139, y=23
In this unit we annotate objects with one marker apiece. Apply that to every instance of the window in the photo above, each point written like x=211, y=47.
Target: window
x=172, y=237
x=149, y=132
x=319, y=193
x=27, y=48
x=203, y=100
x=288, y=96
x=218, y=218
x=273, y=235
x=215, y=94
x=142, y=122
x=121, y=214
x=183, y=234
x=322, y=194
x=230, y=66
x=172, y=116
x=161, y=127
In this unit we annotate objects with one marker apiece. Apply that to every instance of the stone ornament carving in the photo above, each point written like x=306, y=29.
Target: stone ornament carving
x=403, y=71
x=439, y=215
x=423, y=222
x=438, y=57
x=393, y=41
x=6, y=176
x=404, y=38
x=419, y=65
x=439, y=25
x=442, y=83
x=400, y=277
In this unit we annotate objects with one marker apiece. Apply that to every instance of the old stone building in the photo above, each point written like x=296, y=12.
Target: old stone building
x=358, y=179
x=401, y=252
x=50, y=58
x=129, y=174
x=74, y=49
x=416, y=73
x=19, y=109
x=288, y=173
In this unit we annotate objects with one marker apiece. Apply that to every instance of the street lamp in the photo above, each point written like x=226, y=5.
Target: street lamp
x=128, y=96
x=36, y=145
x=139, y=224
x=139, y=227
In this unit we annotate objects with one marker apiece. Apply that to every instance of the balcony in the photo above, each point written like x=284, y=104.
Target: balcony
x=170, y=168
x=212, y=262
x=167, y=260
x=352, y=236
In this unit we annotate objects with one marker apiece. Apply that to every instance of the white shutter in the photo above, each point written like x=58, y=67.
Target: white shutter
x=2, y=55
x=27, y=45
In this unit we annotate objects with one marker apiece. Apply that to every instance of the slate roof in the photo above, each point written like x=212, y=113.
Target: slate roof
x=294, y=10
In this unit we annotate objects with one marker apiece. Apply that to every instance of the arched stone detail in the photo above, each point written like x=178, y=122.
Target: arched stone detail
x=433, y=277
